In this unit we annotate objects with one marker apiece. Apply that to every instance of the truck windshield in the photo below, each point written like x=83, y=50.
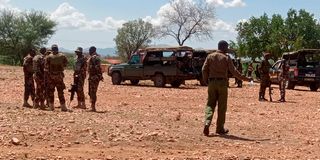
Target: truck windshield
x=312, y=58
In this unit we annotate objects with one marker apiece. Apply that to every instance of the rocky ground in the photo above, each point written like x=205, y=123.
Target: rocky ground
x=144, y=122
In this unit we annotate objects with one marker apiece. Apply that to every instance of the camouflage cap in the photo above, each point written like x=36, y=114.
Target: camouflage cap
x=79, y=50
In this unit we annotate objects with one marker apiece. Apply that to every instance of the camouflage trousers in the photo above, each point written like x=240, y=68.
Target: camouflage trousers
x=80, y=92
x=93, y=88
x=28, y=87
x=56, y=81
x=40, y=89
x=282, y=87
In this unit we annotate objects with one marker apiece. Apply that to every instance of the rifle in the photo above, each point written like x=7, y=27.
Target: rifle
x=270, y=91
x=74, y=88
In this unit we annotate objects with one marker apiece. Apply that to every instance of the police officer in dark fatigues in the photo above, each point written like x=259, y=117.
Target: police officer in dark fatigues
x=264, y=76
x=215, y=73
x=29, y=90
x=95, y=76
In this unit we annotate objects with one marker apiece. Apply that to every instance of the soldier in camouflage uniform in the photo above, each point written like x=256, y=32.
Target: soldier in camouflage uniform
x=95, y=76
x=28, y=79
x=283, y=77
x=38, y=76
x=79, y=76
x=54, y=65
x=264, y=76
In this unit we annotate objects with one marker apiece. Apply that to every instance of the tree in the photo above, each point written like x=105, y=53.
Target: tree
x=132, y=36
x=187, y=19
x=19, y=32
x=277, y=35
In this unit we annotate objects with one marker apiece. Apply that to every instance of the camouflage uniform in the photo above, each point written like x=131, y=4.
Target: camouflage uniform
x=38, y=68
x=28, y=80
x=80, y=72
x=264, y=76
x=55, y=64
x=283, y=77
x=95, y=76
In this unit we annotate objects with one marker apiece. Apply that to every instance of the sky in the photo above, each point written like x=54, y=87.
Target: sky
x=95, y=22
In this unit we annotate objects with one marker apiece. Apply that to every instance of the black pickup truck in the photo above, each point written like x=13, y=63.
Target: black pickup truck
x=304, y=68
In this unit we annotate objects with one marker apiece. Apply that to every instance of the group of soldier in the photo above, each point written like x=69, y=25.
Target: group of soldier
x=265, y=78
x=43, y=73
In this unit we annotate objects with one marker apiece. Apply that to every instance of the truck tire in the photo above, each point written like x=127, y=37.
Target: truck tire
x=116, y=78
x=176, y=83
x=159, y=80
x=134, y=81
x=314, y=86
x=291, y=85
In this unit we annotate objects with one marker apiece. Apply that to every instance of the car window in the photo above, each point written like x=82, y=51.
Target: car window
x=135, y=59
x=168, y=53
x=311, y=58
x=277, y=65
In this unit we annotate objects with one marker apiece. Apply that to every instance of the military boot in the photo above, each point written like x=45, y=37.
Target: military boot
x=64, y=108
x=26, y=104
x=42, y=106
x=51, y=107
x=282, y=99
x=93, y=107
x=83, y=105
x=206, y=130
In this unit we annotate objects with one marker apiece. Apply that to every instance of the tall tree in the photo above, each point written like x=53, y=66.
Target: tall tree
x=185, y=19
x=132, y=36
x=277, y=35
x=21, y=31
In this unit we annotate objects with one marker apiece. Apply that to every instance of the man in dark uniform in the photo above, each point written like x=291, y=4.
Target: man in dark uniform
x=54, y=65
x=283, y=77
x=264, y=76
x=215, y=74
x=239, y=68
x=28, y=78
x=38, y=75
x=95, y=76
x=80, y=72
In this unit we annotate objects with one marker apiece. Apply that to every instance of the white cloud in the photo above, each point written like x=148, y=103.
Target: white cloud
x=5, y=4
x=220, y=25
x=229, y=4
x=70, y=18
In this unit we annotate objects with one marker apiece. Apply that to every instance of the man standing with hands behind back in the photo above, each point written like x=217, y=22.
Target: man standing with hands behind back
x=215, y=73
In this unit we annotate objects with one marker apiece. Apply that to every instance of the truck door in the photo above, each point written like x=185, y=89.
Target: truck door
x=135, y=67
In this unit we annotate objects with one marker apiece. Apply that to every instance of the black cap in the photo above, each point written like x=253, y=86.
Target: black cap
x=223, y=46
x=43, y=50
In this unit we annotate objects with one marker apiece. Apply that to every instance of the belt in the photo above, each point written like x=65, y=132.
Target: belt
x=217, y=79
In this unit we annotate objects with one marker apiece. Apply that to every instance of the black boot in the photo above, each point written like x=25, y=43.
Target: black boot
x=206, y=130
x=93, y=107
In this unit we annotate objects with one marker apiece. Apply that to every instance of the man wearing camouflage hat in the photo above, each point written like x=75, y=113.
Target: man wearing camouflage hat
x=95, y=76
x=79, y=76
x=54, y=65
x=28, y=78
x=38, y=68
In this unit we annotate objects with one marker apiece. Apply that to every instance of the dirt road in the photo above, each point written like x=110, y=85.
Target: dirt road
x=144, y=122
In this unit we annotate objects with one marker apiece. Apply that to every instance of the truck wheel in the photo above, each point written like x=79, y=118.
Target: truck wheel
x=116, y=78
x=291, y=85
x=176, y=83
x=159, y=80
x=134, y=81
x=314, y=86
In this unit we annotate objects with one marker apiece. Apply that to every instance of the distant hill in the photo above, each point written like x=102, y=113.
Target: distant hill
x=100, y=51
